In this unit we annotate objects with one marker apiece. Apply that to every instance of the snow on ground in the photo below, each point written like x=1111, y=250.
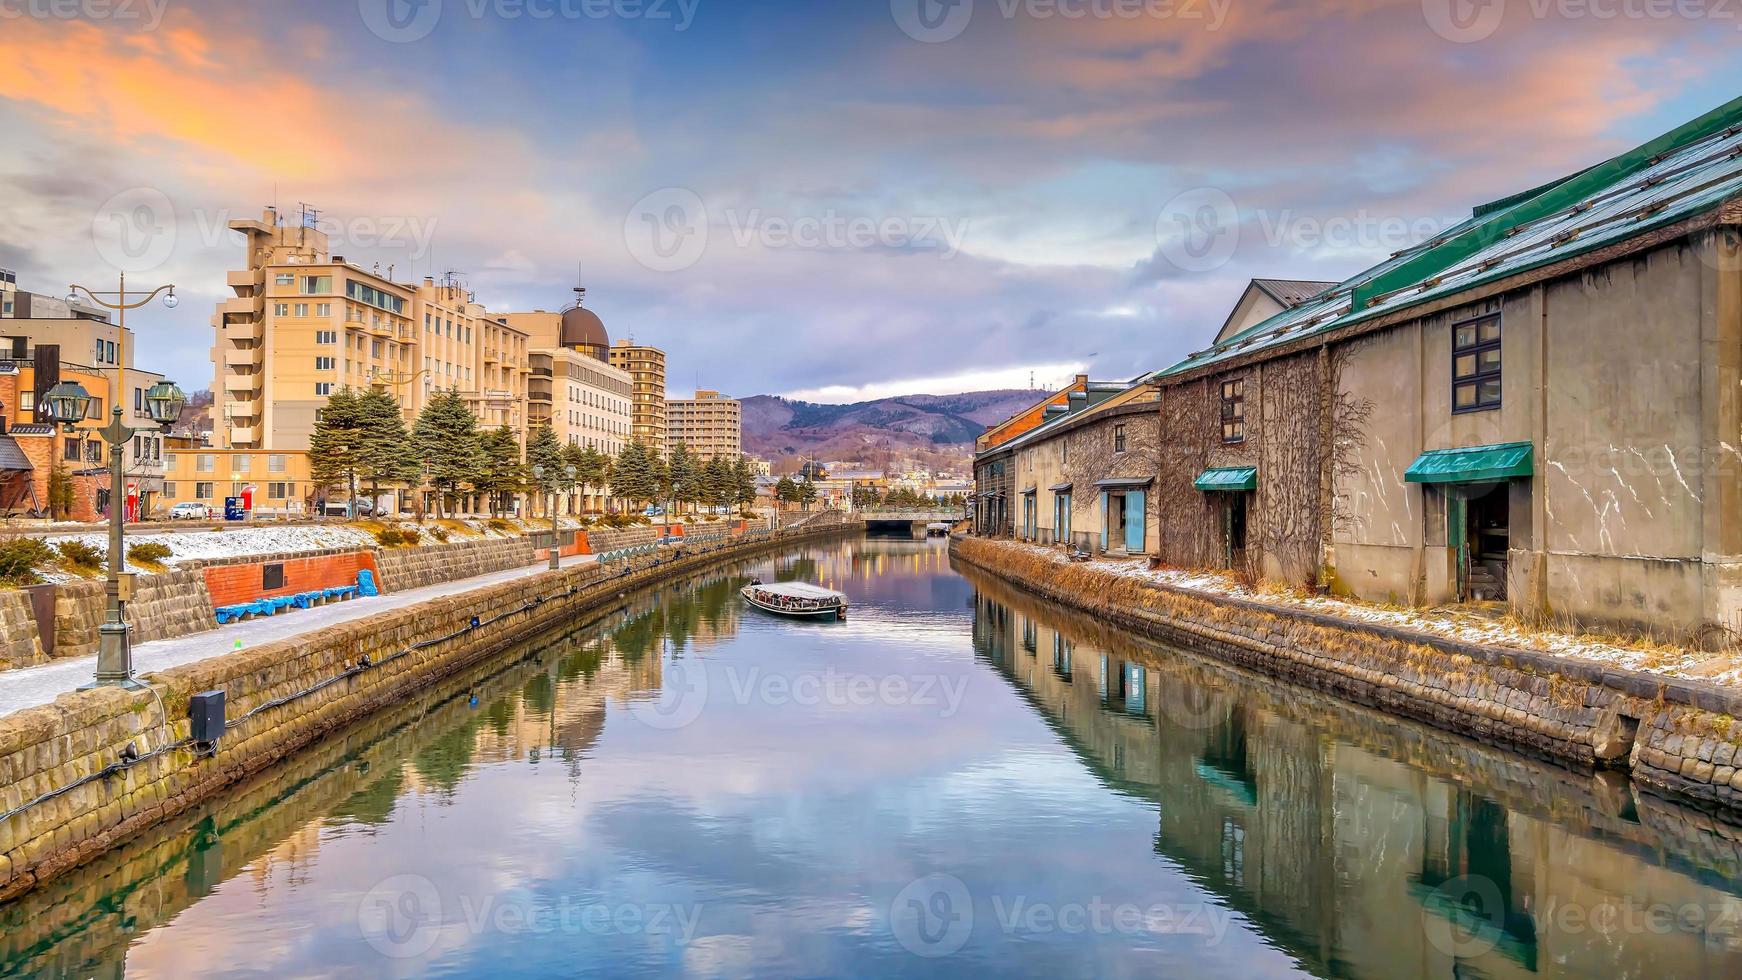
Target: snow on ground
x=1466, y=627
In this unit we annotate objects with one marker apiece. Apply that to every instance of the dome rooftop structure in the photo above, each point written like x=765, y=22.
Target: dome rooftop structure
x=582, y=330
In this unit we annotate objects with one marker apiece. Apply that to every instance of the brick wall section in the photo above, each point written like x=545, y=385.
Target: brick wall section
x=1688, y=742
x=242, y=581
x=51, y=746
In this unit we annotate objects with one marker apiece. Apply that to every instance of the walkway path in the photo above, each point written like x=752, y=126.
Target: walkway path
x=31, y=686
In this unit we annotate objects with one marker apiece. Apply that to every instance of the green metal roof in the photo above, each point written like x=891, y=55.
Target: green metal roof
x=1476, y=464
x=1228, y=478
x=1685, y=172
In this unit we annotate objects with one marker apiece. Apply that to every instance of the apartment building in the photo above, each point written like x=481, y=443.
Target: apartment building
x=646, y=367
x=303, y=324
x=710, y=424
x=585, y=401
x=277, y=482
x=482, y=355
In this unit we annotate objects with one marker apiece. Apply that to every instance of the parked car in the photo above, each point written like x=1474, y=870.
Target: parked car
x=342, y=508
x=190, y=510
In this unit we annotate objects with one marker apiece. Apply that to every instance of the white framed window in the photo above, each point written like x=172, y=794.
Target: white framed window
x=281, y=309
x=326, y=336
x=285, y=279
x=324, y=363
x=323, y=388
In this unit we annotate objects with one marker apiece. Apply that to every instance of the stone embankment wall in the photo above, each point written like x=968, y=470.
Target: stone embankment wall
x=174, y=603
x=404, y=569
x=1677, y=737
x=19, y=644
x=280, y=696
x=603, y=539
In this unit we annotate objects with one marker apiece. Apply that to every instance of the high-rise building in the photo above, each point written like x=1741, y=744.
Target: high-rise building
x=305, y=323
x=710, y=424
x=646, y=367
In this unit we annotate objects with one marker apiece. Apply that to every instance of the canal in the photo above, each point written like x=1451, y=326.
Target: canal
x=958, y=779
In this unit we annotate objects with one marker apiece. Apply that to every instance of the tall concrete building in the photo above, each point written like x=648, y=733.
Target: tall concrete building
x=710, y=424
x=305, y=323
x=646, y=367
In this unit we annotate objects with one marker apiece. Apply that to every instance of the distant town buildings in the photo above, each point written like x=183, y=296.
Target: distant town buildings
x=710, y=424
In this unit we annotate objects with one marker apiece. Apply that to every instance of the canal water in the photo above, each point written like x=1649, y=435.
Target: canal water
x=957, y=780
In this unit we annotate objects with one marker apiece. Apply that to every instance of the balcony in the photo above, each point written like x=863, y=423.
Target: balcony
x=240, y=279
x=246, y=330
x=247, y=385
x=243, y=357
x=240, y=305
x=244, y=434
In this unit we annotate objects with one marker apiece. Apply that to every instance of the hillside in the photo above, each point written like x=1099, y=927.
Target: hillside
x=936, y=431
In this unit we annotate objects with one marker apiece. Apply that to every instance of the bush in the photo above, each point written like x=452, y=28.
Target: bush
x=498, y=524
x=394, y=537
x=20, y=558
x=439, y=533
x=80, y=556
x=148, y=552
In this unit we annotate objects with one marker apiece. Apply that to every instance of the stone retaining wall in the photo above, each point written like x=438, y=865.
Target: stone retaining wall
x=173, y=603
x=603, y=539
x=1677, y=737
x=19, y=644
x=51, y=747
x=403, y=569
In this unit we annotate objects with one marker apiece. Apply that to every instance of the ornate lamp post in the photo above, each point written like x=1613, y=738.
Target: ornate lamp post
x=538, y=472
x=67, y=404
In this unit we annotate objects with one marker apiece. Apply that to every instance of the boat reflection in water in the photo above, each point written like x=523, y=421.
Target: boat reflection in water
x=1367, y=846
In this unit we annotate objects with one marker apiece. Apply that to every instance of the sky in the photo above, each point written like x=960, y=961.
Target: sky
x=823, y=198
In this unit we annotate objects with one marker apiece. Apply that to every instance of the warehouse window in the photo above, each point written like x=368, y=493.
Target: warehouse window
x=1119, y=438
x=1476, y=364
x=202, y=491
x=1234, y=411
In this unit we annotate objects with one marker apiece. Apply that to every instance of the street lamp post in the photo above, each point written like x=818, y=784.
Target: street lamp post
x=538, y=472
x=68, y=402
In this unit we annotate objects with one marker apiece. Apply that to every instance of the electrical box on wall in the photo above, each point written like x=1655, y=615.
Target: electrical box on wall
x=206, y=714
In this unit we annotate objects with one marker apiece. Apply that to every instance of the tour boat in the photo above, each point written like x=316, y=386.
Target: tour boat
x=799, y=599
x=937, y=529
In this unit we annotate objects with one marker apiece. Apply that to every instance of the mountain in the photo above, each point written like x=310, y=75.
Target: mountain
x=934, y=431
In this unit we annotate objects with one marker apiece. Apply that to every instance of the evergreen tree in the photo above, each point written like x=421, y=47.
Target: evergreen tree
x=546, y=454
x=500, y=472
x=574, y=454
x=745, y=478
x=634, y=476
x=684, y=473
x=386, y=452
x=786, y=491
x=807, y=492
x=447, y=441
x=716, y=482
x=595, y=470
x=335, y=449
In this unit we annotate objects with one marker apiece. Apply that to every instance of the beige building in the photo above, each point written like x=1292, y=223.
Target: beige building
x=482, y=355
x=710, y=424
x=646, y=367
x=585, y=401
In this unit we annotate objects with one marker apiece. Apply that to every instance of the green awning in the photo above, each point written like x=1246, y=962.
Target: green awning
x=1475, y=464
x=1228, y=478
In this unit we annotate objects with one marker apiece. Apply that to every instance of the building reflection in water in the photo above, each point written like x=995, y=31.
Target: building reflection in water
x=1367, y=846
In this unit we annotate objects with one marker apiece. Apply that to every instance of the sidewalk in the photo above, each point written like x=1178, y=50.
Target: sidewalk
x=32, y=686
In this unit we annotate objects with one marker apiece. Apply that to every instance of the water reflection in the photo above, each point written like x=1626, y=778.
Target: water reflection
x=1368, y=847
x=956, y=780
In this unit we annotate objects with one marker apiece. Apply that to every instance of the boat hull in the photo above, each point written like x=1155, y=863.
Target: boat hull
x=823, y=613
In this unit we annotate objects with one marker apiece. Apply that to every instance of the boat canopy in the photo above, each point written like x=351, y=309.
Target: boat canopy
x=798, y=590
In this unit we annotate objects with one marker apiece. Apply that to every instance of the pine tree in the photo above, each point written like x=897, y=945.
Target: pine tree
x=595, y=471
x=447, y=441
x=335, y=449
x=682, y=470
x=807, y=492
x=386, y=452
x=745, y=477
x=786, y=491
x=501, y=472
x=633, y=476
x=546, y=454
